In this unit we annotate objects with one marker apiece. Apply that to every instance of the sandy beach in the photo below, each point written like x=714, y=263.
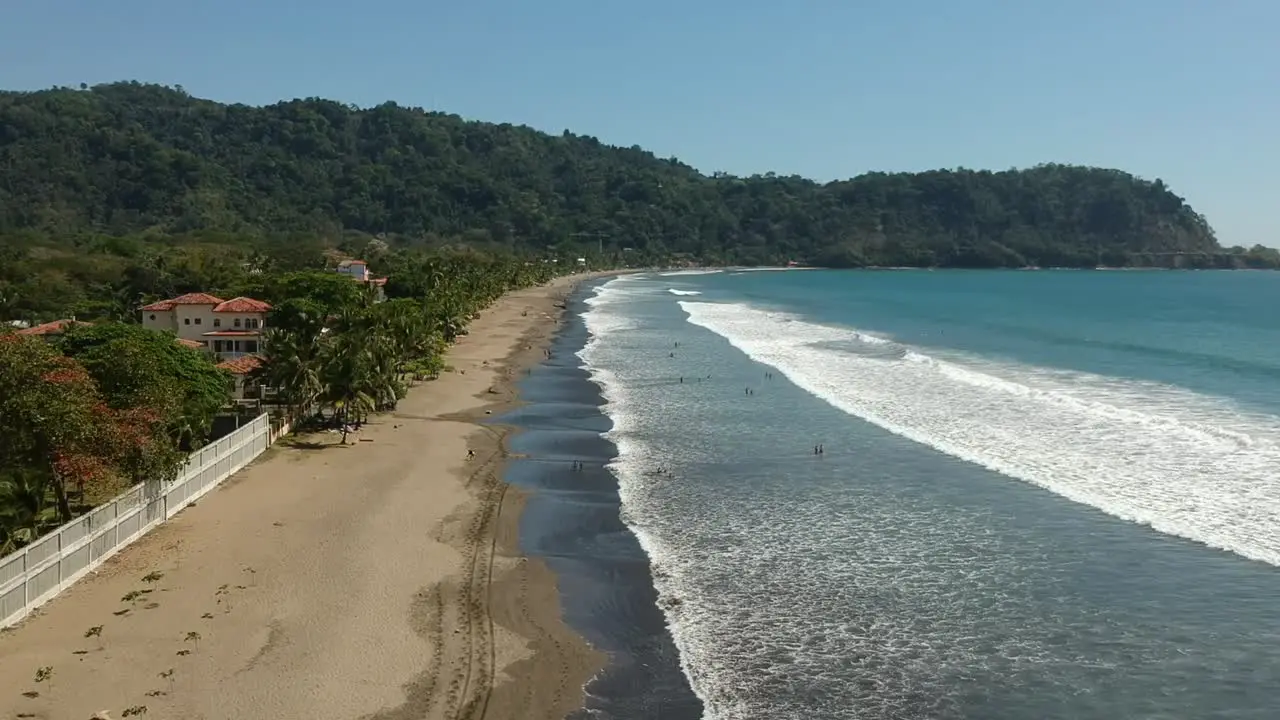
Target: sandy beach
x=380, y=579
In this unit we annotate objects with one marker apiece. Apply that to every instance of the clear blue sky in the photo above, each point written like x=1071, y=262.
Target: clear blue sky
x=1184, y=90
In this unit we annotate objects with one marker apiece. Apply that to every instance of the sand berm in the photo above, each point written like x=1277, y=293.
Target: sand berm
x=377, y=580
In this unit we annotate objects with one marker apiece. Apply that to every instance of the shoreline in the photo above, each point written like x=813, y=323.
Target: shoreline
x=382, y=579
x=573, y=520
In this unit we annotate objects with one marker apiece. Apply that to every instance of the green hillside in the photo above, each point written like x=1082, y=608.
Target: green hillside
x=130, y=158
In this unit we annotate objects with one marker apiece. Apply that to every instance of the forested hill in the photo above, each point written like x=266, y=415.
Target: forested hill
x=129, y=157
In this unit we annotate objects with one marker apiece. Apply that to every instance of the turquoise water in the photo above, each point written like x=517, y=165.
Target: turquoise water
x=1042, y=494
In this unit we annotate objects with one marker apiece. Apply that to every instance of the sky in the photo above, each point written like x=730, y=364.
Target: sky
x=1187, y=91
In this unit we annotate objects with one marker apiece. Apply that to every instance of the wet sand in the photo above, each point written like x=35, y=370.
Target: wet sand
x=381, y=579
x=573, y=519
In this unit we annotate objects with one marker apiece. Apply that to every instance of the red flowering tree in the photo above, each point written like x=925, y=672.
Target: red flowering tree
x=52, y=420
x=142, y=448
x=155, y=383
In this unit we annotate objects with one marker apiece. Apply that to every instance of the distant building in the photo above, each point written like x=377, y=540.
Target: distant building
x=51, y=329
x=58, y=327
x=228, y=329
x=358, y=270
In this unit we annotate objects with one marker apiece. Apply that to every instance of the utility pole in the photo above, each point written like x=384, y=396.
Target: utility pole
x=597, y=235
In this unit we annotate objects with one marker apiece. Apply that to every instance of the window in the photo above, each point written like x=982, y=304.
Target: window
x=251, y=323
x=197, y=321
x=153, y=317
x=217, y=322
x=251, y=346
x=186, y=321
x=237, y=322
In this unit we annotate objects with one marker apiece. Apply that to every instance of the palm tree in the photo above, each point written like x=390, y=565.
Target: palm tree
x=347, y=376
x=354, y=359
x=24, y=507
x=291, y=355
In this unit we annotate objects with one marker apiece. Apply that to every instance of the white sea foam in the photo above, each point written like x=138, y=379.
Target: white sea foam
x=614, y=291
x=674, y=291
x=856, y=601
x=604, y=320
x=1182, y=463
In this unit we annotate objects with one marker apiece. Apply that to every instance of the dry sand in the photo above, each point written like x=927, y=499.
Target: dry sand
x=375, y=580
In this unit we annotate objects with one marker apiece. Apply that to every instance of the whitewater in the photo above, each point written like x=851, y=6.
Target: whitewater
x=921, y=570
x=1185, y=464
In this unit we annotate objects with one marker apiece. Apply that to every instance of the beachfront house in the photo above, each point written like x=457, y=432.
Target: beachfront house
x=358, y=270
x=228, y=329
x=247, y=390
x=51, y=329
x=56, y=328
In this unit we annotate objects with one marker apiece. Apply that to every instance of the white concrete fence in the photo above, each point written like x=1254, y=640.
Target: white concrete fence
x=35, y=574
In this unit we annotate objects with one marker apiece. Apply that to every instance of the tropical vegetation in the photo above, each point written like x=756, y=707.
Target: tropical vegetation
x=102, y=406
x=122, y=194
x=334, y=345
x=131, y=160
x=78, y=424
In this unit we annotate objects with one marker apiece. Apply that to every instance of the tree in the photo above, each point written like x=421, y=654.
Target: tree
x=52, y=420
x=291, y=356
x=145, y=161
x=154, y=380
x=339, y=349
x=327, y=291
x=24, y=507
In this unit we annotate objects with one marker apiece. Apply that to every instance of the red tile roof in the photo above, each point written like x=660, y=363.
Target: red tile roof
x=242, y=305
x=242, y=365
x=188, y=299
x=50, y=328
x=232, y=333
x=348, y=263
x=194, y=345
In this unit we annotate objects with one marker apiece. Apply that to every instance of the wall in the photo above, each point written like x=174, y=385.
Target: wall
x=188, y=315
x=164, y=320
x=37, y=573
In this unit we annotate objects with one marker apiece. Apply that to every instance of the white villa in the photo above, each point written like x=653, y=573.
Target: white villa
x=358, y=270
x=228, y=329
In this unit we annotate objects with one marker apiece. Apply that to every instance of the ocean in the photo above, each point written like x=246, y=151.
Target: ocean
x=1041, y=494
